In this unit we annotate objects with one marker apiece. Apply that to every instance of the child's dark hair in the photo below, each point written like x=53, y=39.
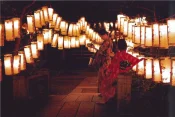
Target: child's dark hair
x=102, y=31
x=122, y=45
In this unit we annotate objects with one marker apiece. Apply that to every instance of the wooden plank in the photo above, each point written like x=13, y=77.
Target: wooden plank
x=71, y=97
x=69, y=109
x=86, y=98
x=86, y=109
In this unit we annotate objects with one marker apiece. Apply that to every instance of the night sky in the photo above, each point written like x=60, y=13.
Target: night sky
x=94, y=11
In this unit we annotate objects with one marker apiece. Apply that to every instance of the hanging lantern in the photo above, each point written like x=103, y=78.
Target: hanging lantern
x=77, y=42
x=140, y=66
x=16, y=64
x=122, y=24
x=118, y=19
x=165, y=69
x=173, y=71
x=148, y=36
x=142, y=35
x=37, y=19
x=42, y=18
x=137, y=35
x=30, y=23
x=50, y=13
x=50, y=36
x=55, y=40
x=28, y=54
x=16, y=25
x=60, y=42
x=148, y=67
x=34, y=50
x=55, y=15
x=157, y=73
x=8, y=64
x=22, y=60
x=163, y=36
x=40, y=43
x=63, y=27
x=171, y=32
x=125, y=30
x=9, y=33
x=73, y=42
x=83, y=39
x=1, y=34
x=75, y=30
x=70, y=30
x=135, y=54
x=130, y=25
x=57, y=25
x=46, y=36
x=66, y=42
x=156, y=35
x=45, y=12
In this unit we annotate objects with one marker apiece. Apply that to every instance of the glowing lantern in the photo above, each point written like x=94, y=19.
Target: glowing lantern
x=75, y=30
x=77, y=42
x=50, y=13
x=46, y=14
x=66, y=42
x=30, y=23
x=8, y=64
x=42, y=18
x=165, y=69
x=122, y=23
x=60, y=42
x=28, y=54
x=46, y=36
x=148, y=36
x=16, y=25
x=148, y=68
x=142, y=35
x=140, y=66
x=163, y=36
x=125, y=30
x=9, y=30
x=1, y=34
x=37, y=19
x=57, y=25
x=157, y=73
x=55, y=40
x=40, y=43
x=55, y=15
x=34, y=50
x=171, y=31
x=63, y=27
x=173, y=71
x=82, y=39
x=70, y=30
x=155, y=35
x=118, y=19
x=22, y=60
x=135, y=54
x=73, y=42
x=50, y=36
x=130, y=25
x=16, y=64
x=137, y=35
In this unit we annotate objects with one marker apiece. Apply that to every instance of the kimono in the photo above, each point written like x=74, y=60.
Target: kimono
x=121, y=63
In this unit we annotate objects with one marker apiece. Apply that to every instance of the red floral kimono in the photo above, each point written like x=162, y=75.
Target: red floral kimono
x=106, y=89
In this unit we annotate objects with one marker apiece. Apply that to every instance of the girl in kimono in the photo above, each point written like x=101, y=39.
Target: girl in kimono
x=122, y=62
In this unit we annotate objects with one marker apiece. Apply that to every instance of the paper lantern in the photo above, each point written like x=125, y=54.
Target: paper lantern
x=22, y=60
x=148, y=68
x=156, y=68
x=122, y=24
x=63, y=27
x=135, y=54
x=165, y=69
x=34, y=50
x=83, y=39
x=171, y=32
x=156, y=35
x=118, y=19
x=53, y=23
x=9, y=33
x=72, y=42
x=148, y=36
x=66, y=42
x=60, y=42
x=163, y=36
x=142, y=36
x=50, y=36
x=173, y=71
x=55, y=40
x=8, y=64
x=46, y=36
x=50, y=13
x=70, y=30
x=1, y=34
x=130, y=25
x=40, y=41
x=37, y=19
x=125, y=30
x=28, y=54
x=16, y=27
x=42, y=18
x=30, y=23
x=45, y=12
x=57, y=25
x=16, y=64
x=137, y=35
x=140, y=66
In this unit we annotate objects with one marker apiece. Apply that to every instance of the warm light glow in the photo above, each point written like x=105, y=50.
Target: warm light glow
x=16, y=26
x=28, y=54
x=156, y=35
x=125, y=27
x=148, y=68
x=57, y=26
x=2, y=34
x=46, y=36
x=63, y=27
x=37, y=19
x=143, y=35
x=55, y=16
x=166, y=67
x=122, y=24
x=173, y=71
x=163, y=36
x=42, y=17
x=40, y=41
x=118, y=19
x=50, y=13
x=137, y=35
x=30, y=23
x=46, y=14
x=140, y=66
x=171, y=31
x=82, y=39
x=156, y=74
x=135, y=54
x=148, y=36
x=130, y=24
x=8, y=64
x=9, y=30
x=60, y=42
x=70, y=30
x=55, y=40
x=66, y=42
x=73, y=42
x=22, y=60
x=34, y=50
x=16, y=64
x=50, y=36
x=77, y=42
